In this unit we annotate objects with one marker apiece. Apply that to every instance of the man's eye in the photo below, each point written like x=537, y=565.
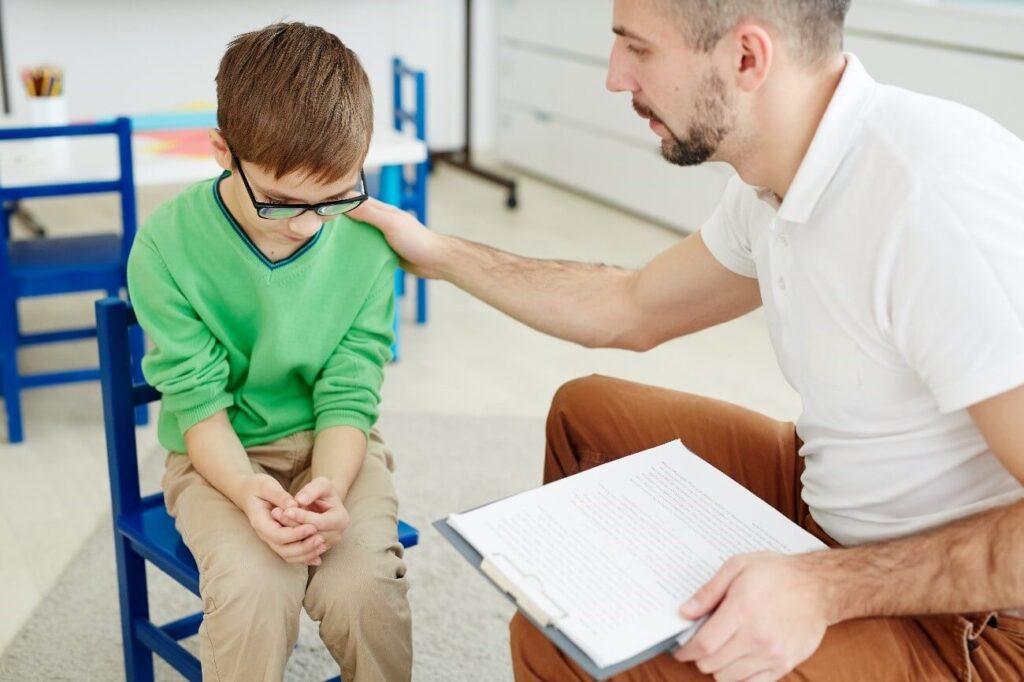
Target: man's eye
x=635, y=50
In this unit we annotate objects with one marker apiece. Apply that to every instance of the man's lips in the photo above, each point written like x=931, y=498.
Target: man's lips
x=646, y=113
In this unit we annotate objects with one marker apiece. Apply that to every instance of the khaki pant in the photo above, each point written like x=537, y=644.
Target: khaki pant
x=597, y=419
x=252, y=598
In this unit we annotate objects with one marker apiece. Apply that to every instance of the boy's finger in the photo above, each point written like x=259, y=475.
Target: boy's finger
x=300, y=551
x=282, y=518
x=271, y=491
x=299, y=515
x=315, y=489
x=285, y=535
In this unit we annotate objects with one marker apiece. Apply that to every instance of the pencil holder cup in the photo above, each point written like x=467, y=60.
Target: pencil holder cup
x=50, y=111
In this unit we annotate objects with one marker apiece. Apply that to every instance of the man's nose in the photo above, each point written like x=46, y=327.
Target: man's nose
x=618, y=78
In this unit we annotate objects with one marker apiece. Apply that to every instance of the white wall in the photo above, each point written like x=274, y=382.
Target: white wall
x=136, y=56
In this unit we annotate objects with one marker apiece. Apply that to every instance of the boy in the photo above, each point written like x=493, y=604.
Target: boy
x=270, y=314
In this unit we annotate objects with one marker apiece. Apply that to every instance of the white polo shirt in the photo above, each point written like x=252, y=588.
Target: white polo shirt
x=892, y=276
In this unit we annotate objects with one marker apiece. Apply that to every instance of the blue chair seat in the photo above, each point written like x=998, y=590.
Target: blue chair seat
x=43, y=267
x=152, y=534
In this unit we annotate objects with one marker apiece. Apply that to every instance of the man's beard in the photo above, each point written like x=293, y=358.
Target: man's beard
x=713, y=120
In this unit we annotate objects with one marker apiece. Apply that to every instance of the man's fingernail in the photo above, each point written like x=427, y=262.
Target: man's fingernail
x=689, y=607
x=302, y=499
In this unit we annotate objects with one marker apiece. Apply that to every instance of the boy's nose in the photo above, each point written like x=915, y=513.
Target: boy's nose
x=306, y=224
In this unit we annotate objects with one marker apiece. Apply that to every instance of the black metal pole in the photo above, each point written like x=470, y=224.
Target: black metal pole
x=463, y=158
x=3, y=66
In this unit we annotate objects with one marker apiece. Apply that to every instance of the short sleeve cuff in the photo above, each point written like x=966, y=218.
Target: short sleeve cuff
x=981, y=385
x=713, y=238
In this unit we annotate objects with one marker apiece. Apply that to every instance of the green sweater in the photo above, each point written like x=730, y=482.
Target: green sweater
x=284, y=347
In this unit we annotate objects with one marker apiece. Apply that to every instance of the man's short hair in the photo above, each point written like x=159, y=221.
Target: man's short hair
x=813, y=29
x=293, y=97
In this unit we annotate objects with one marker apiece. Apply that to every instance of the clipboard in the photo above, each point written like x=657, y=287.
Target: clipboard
x=541, y=621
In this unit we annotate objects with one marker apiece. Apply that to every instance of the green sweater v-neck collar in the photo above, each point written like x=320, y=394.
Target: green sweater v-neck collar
x=266, y=262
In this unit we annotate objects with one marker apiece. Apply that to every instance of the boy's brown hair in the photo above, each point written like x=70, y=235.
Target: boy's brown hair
x=292, y=97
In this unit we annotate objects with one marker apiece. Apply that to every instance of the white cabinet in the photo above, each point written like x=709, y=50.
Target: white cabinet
x=972, y=54
x=555, y=118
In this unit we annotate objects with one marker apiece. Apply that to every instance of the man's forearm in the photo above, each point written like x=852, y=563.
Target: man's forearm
x=217, y=454
x=338, y=455
x=579, y=302
x=975, y=564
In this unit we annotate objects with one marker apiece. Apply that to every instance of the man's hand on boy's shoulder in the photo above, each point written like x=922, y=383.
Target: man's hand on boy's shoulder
x=318, y=504
x=419, y=249
x=299, y=543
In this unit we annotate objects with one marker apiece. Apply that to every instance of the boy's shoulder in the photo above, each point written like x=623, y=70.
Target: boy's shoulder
x=196, y=203
x=364, y=241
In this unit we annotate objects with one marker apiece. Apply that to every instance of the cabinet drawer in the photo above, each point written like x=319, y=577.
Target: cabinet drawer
x=569, y=89
x=573, y=26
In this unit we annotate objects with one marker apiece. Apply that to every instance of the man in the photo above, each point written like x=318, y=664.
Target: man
x=882, y=231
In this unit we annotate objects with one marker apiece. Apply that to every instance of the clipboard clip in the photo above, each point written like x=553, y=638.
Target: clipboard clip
x=542, y=614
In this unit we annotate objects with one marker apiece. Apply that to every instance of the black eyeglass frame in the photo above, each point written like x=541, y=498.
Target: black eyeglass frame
x=319, y=209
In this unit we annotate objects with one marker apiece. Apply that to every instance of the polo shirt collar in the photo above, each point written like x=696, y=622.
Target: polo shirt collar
x=830, y=144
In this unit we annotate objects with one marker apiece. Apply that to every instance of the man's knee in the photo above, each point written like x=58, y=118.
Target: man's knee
x=526, y=644
x=579, y=396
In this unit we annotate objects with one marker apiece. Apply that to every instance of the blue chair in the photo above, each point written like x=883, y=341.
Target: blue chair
x=60, y=265
x=143, y=530
x=413, y=190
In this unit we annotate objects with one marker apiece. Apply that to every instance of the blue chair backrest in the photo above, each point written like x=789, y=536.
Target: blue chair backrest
x=123, y=184
x=120, y=396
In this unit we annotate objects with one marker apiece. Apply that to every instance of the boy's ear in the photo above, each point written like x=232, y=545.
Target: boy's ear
x=220, y=149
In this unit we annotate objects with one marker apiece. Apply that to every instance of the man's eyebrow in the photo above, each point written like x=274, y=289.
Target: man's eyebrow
x=626, y=33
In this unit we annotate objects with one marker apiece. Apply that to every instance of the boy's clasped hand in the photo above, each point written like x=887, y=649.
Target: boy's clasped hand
x=299, y=529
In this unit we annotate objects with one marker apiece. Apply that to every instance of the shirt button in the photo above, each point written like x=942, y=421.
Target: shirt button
x=781, y=281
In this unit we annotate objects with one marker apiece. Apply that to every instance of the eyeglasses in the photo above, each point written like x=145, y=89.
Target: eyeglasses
x=283, y=211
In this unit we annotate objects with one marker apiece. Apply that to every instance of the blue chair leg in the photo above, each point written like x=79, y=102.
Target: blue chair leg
x=131, y=570
x=9, y=370
x=400, y=283
x=391, y=193
x=421, y=300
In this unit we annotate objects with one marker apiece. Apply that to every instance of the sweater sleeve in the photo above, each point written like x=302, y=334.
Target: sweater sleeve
x=186, y=363
x=347, y=391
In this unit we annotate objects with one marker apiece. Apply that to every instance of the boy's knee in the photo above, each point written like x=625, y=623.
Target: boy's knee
x=270, y=588
x=361, y=587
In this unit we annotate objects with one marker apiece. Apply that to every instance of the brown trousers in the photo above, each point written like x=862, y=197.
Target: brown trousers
x=252, y=598
x=598, y=419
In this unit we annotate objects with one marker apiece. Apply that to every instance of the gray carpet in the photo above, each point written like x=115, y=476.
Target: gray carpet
x=445, y=463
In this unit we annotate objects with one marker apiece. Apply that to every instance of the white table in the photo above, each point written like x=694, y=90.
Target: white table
x=95, y=158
